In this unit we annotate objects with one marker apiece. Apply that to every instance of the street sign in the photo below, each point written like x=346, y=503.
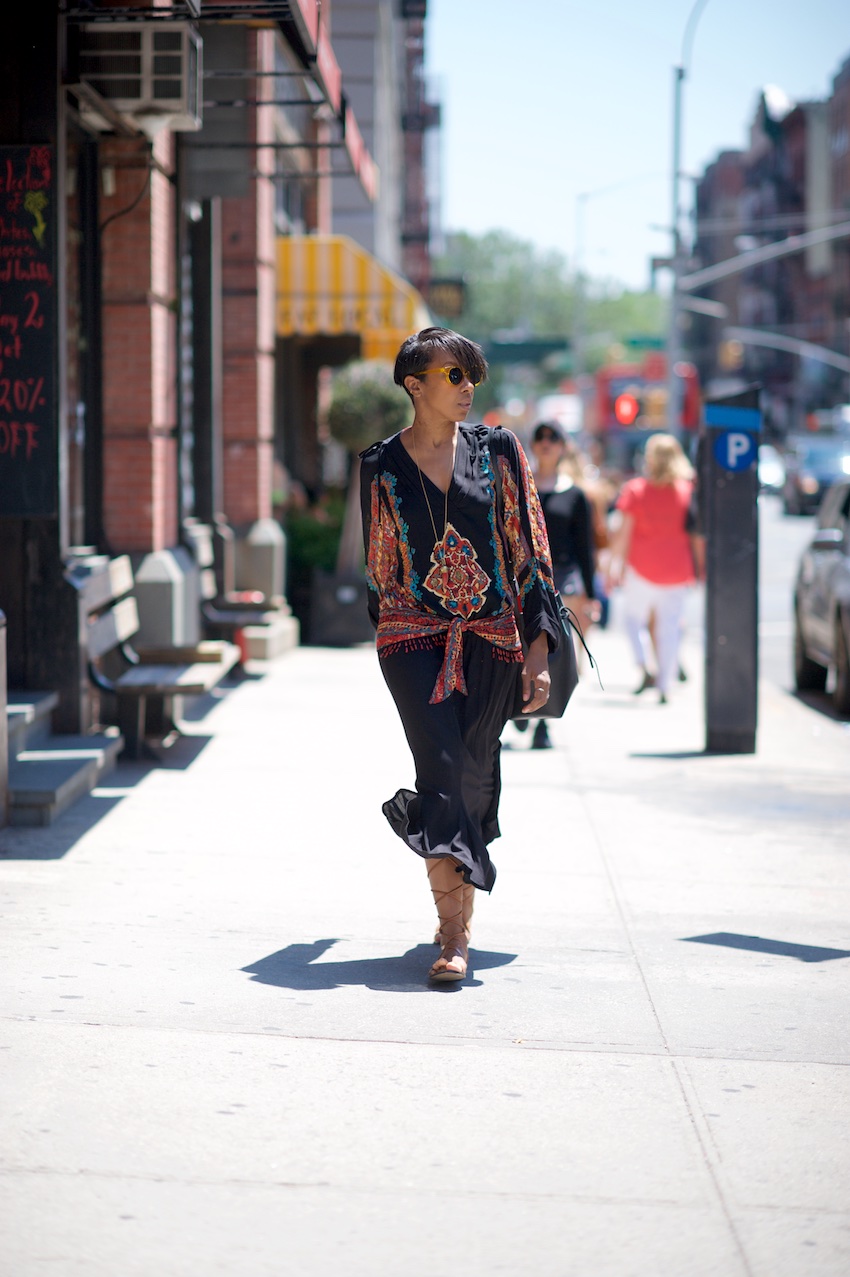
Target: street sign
x=29, y=413
x=447, y=297
x=736, y=450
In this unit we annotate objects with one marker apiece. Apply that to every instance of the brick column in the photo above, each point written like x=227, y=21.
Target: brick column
x=248, y=322
x=139, y=375
x=140, y=465
x=248, y=287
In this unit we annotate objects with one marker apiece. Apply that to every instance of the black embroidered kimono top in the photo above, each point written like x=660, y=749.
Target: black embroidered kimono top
x=426, y=595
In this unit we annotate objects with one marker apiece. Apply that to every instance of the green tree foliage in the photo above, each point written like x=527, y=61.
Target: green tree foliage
x=513, y=285
x=510, y=284
x=366, y=405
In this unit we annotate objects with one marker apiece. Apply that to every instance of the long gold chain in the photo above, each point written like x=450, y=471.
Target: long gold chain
x=438, y=542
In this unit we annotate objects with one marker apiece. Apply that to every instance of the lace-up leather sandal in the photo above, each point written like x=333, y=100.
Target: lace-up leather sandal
x=468, y=906
x=447, y=889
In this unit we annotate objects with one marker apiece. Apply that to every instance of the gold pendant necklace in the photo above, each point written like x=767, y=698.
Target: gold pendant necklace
x=439, y=544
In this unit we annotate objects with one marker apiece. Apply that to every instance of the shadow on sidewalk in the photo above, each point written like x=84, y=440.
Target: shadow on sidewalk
x=52, y=842
x=759, y=944
x=296, y=967
x=821, y=702
x=197, y=708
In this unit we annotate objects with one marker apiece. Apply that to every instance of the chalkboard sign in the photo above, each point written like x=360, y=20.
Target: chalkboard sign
x=28, y=414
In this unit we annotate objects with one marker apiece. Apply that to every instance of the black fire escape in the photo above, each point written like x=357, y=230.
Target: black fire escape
x=419, y=116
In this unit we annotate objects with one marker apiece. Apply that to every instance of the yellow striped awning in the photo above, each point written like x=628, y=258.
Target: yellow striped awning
x=328, y=284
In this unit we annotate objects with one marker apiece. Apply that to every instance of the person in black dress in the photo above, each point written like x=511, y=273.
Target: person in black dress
x=569, y=523
x=444, y=566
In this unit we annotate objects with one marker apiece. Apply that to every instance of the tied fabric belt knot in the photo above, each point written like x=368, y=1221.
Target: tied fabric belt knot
x=406, y=629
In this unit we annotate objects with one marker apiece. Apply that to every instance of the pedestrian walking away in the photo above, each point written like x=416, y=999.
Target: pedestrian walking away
x=652, y=559
x=444, y=569
x=569, y=526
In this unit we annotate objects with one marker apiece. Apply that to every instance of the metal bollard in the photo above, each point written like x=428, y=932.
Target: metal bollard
x=4, y=729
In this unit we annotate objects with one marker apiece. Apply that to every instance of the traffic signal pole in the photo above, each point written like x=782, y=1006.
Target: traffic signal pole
x=678, y=263
x=674, y=398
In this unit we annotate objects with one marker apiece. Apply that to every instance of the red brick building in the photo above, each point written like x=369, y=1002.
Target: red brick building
x=157, y=153
x=793, y=178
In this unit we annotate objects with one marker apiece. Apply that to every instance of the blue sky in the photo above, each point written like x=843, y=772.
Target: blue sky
x=548, y=99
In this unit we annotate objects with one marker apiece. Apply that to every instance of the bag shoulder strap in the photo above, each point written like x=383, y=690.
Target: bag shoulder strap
x=500, y=527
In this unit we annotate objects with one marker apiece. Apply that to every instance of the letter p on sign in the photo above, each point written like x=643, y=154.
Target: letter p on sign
x=736, y=449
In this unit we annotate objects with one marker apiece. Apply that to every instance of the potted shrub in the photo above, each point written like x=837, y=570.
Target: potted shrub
x=365, y=406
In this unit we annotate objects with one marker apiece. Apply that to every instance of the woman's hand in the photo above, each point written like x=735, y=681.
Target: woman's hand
x=587, y=611
x=618, y=554
x=614, y=574
x=535, y=675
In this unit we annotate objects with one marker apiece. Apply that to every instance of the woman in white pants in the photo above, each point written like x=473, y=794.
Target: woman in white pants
x=652, y=558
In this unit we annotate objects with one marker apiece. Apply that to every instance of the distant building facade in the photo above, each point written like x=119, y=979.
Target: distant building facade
x=793, y=178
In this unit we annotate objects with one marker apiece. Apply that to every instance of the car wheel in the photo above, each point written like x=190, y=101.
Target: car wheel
x=808, y=675
x=841, y=694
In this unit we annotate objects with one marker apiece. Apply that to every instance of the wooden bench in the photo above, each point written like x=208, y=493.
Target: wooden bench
x=226, y=612
x=144, y=681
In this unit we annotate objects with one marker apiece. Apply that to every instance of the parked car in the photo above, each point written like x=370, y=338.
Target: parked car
x=771, y=469
x=811, y=465
x=822, y=602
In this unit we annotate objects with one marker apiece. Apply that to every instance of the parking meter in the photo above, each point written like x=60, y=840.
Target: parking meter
x=727, y=503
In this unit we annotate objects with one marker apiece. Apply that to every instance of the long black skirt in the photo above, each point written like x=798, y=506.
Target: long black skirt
x=455, y=747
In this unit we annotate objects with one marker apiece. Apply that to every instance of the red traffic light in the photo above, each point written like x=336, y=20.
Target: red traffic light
x=626, y=409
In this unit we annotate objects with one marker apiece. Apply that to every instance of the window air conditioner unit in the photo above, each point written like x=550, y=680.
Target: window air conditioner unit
x=149, y=71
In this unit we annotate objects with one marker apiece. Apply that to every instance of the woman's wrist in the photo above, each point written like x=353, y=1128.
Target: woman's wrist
x=540, y=644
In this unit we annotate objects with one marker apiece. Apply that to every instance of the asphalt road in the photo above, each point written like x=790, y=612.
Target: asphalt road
x=782, y=539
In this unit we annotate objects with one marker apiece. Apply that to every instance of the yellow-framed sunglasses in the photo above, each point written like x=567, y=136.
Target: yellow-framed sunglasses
x=454, y=375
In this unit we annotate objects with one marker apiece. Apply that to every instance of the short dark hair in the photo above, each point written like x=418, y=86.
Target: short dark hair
x=417, y=352
x=551, y=427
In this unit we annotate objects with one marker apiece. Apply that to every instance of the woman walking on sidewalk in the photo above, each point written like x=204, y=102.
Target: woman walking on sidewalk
x=569, y=526
x=443, y=566
x=652, y=558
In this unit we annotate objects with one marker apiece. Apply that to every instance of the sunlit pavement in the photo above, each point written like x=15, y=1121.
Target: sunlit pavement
x=222, y=1057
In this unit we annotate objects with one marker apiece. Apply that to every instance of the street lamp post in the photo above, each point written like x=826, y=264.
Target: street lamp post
x=678, y=256
x=580, y=300
x=579, y=333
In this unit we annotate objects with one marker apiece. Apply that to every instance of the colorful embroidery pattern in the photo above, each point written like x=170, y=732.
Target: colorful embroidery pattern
x=389, y=543
x=436, y=610
x=457, y=578
x=530, y=562
x=503, y=577
x=407, y=629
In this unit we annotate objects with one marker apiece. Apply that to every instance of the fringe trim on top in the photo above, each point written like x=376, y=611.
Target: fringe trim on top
x=425, y=643
x=407, y=629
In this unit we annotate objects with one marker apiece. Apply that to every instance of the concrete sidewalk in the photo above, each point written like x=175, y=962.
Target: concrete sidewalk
x=221, y=1055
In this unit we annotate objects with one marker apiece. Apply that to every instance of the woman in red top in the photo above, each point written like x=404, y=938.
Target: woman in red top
x=652, y=557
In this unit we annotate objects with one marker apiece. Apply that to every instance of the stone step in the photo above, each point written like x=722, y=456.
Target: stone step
x=28, y=719
x=44, y=781
x=272, y=637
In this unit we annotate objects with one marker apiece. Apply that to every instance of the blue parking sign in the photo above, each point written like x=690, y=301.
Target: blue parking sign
x=736, y=449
